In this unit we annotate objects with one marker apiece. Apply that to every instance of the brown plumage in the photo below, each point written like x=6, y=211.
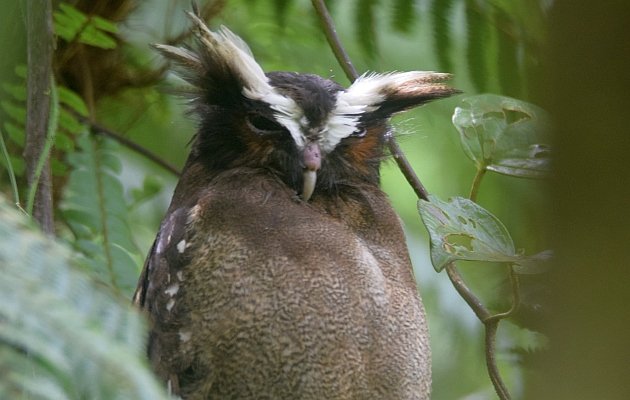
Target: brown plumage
x=280, y=270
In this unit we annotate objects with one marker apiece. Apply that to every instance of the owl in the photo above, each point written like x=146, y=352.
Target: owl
x=280, y=270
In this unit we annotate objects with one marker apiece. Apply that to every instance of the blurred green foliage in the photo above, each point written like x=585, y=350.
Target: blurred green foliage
x=63, y=336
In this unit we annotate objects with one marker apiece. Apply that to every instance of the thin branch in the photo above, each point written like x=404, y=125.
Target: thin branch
x=481, y=171
x=103, y=131
x=39, y=61
x=491, y=362
x=333, y=40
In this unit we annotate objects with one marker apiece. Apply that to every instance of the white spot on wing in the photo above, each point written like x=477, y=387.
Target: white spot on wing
x=180, y=275
x=181, y=246
x=164, y=241
x=170, y=304
x=184, y=336
x=172, y=289
x=193, y=214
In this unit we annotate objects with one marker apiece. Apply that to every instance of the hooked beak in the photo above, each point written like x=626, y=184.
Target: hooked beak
x=312, y=159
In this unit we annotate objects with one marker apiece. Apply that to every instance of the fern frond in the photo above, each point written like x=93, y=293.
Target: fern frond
x=61, y=335
x=95, y=209
x=478, y=45
x=403, y=15
x=441, y=16
x=366, y=26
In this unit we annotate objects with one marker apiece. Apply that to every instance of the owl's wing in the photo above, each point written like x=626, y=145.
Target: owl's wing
x=165, y=256
x=141, y=288
x=158, y=283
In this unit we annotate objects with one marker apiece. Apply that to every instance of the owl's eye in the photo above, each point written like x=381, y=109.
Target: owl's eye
x=263, y=125
x=360, y=132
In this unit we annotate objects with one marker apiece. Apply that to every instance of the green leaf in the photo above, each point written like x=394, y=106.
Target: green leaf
x=16, y=112
x=460, y=229
x=17, y=163
x=505, y=135
x=68, y=122
x=72, y=100
x=58, y=167
x=15, y=109
x=96, y=38
x=72, y=13
x=63, y=142
x=104, y=24
x=61, y=335
x=15, y=133
x=95, y=209
x=72, y=24
x=68, y=21
x=18, y=92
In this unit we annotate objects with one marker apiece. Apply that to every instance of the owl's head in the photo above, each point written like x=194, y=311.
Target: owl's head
x=312, y=133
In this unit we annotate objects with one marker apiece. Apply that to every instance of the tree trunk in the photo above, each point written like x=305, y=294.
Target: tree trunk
x=39, y=56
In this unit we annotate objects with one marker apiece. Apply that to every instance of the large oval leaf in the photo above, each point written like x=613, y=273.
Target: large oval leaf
x=461, y=229
x=505, y=135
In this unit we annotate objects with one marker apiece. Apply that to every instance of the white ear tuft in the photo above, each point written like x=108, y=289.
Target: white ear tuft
x=224, y=64
x=234, y=52
x=383, y=93
x=236, y=40
x=373, y=89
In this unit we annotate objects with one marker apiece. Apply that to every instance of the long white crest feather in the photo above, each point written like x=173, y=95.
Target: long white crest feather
x=183, y=56
x=368, y=92
x=230, y=48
